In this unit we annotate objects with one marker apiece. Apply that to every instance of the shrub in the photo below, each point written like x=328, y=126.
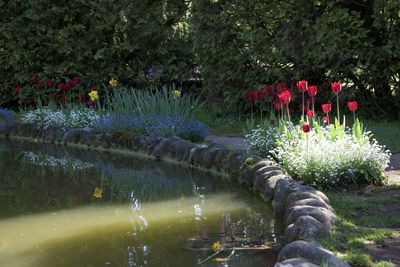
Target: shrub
x=77, y=117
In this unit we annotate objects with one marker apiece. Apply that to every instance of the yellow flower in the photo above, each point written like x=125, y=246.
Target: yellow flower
x=113, y=82
x=98, y=192
x=216, y=246
x=177, y=93
x=93, y=95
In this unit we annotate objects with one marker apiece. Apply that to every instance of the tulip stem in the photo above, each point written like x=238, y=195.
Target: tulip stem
x=337, y=106
x=287, y=110
x=303, y=107
x=354, y=117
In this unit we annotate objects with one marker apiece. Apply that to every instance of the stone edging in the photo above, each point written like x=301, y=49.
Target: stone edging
x=304, y=213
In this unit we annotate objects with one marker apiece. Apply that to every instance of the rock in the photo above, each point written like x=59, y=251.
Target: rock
x=283, y=188
x=60, y=132
x=270, y=186
x=71, y=136
x=310, y=252
x=85, y=138
x=221, y=158
x=262, y=175
x=7, y=128
x=296, y=262
x=50, y=133
x=324, y=216
x=306, y=228
x=208, y=159
x=180, y=149
x=309, y=193
x=196, y=154
x=247, y=176
x=315, y=202
x=235, y=161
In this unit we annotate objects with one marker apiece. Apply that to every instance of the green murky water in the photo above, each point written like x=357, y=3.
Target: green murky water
x=70, y=207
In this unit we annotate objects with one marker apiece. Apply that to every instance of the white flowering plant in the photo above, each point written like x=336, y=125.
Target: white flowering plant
x=322, y=152
x=76, y=117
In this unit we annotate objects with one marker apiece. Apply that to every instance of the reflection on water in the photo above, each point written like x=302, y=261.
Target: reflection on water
x=145, y=214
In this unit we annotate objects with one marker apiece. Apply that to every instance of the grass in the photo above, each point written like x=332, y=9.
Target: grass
x=362, y=222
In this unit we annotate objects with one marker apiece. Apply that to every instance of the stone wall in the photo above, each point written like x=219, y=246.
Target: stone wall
x=304, y=213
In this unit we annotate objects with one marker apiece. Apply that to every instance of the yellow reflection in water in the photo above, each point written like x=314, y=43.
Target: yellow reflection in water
x=25, y=240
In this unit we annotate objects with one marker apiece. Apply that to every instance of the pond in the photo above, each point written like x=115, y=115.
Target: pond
x=71, y=207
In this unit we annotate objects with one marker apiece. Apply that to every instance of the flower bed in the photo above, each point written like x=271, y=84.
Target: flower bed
x=321, y=152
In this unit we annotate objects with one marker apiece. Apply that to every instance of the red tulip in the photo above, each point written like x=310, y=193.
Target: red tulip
x=53, y=96
x=353, y=106
x=285, y=96
x=29, y=101
x=63, y=86
x=50, y=83
x=36, y=79
x=281, y=86
x=327, y=120
x=278, y=105
x=76, y=80
x=269, y=90
x=302, y=86
x=17, y=89
x=310, y=114
x=251, y=96
x=260, y=95
x=326, y=108
x=336, y=87
x=312, y=90
x=306, y=127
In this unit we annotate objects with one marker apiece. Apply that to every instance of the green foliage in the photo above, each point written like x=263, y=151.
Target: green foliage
x=132, y=103
x=243, y=45
x=138, y=42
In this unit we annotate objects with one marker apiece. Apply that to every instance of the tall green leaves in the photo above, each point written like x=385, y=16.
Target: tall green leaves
x=133, y=102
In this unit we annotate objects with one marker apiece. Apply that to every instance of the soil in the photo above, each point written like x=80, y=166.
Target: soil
x=390, y=251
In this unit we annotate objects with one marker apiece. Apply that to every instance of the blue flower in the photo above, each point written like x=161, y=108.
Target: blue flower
x=158, y=125
x=6, y=115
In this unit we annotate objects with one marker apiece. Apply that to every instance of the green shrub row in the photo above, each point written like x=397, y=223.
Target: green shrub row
x=236, y=46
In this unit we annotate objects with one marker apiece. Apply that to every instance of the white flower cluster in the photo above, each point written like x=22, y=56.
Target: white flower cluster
x=323, y=159
x=74, y=118
x=262, y=139
x=50, y=161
